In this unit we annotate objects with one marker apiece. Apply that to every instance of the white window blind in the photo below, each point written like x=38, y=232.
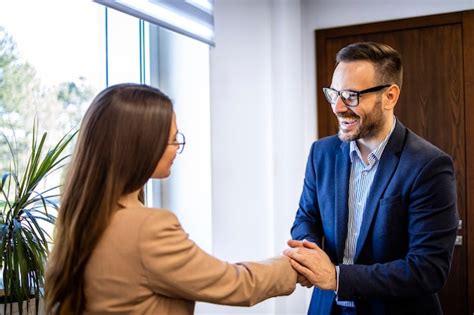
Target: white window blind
x=193, y=18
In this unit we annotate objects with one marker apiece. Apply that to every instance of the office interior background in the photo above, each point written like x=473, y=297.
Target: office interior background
x=247, y=105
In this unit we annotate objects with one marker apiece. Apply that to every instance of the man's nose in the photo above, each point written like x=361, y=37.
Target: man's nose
x=339, y=106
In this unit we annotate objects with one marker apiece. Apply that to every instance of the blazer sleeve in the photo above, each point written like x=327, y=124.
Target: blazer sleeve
x=432, y=224
x=176, y=267
x=307, y=224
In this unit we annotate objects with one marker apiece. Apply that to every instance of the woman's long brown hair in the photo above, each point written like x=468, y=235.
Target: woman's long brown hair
x=122, y=137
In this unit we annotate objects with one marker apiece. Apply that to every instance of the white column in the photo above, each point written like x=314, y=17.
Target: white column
x=183, y=67
x=258, y=151
x=289, y=147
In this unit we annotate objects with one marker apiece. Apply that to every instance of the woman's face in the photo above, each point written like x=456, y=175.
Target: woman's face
x=163, y=169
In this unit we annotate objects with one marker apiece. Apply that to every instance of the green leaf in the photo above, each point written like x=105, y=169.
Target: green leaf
x=24, y=239
x=38, y=232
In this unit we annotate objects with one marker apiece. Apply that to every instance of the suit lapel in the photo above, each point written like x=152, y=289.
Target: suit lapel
x=387, y=166
x=342, y=171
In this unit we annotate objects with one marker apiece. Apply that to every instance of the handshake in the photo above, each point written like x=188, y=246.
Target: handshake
x=313, y=265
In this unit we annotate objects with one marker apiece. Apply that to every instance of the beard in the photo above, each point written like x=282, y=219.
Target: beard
x=367, y=128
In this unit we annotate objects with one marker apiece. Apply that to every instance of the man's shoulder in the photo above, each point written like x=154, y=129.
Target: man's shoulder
x=326, y=149
x=330, y=143
x=419, y=146
x=418, y=152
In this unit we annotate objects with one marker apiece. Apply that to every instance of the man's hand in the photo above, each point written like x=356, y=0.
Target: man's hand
x=303, y=281
x=312, y=262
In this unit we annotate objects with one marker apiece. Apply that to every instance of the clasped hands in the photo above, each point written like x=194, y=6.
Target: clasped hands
x=313, y=265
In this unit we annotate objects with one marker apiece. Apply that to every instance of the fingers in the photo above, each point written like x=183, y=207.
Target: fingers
x=294, y=254
x=295, y=243
x=313, y=263
x=303, y=281
x=309, y=244
x=303, y=271
x=303, y=255
x=303, y=243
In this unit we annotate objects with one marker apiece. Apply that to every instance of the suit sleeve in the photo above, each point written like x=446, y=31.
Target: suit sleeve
x=432, y=225
x=176, y=267
x=307, y=224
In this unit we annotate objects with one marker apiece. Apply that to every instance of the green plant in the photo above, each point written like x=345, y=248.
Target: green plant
x=25, y=214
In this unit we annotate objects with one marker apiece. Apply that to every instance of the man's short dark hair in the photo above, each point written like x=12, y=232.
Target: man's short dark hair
x=386, y=60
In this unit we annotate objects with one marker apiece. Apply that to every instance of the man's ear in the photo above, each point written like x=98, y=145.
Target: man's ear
x=391, y=96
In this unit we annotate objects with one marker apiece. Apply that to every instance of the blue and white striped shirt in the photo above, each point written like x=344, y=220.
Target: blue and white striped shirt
x=360, y=181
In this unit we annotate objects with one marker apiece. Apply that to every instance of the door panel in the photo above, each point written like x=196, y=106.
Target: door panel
x=431, y=104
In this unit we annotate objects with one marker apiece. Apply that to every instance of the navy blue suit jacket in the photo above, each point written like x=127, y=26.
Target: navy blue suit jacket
x=408, y=229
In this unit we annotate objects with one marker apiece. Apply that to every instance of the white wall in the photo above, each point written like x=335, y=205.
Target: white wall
x=263, y=118
x=258, y=150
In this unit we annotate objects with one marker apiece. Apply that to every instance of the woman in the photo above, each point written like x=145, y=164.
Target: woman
x=114, y=255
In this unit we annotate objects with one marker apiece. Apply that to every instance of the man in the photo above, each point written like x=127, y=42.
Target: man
x=378, y=199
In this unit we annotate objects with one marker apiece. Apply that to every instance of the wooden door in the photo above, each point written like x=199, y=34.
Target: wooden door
x=438, y=59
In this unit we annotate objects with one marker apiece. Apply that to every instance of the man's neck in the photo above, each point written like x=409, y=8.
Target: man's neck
x=367, y=145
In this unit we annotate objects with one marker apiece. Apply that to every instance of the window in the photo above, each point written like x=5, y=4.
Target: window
x=54, y=69
x=50, y=68
x=46, y=70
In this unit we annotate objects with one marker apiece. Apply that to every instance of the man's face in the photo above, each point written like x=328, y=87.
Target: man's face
x=366, y=120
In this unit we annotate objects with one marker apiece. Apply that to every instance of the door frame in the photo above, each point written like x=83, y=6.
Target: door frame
x=468, y=43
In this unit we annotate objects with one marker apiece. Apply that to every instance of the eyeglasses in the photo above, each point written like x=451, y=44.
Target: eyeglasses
x=349, y=97
x=180, y=141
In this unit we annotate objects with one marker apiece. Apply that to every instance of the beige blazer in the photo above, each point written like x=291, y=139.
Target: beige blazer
x=146, y=264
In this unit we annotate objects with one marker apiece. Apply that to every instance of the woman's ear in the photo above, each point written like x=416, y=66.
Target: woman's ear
x=391, y=96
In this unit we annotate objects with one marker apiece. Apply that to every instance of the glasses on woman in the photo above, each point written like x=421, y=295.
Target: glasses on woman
x=349, y=97
x=180, y=141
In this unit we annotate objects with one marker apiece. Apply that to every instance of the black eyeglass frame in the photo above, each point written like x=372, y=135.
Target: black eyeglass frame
x=179, y=144
x=356, y=93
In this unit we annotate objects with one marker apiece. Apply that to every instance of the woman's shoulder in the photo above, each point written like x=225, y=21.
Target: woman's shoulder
x=145, y=211
x=142, y=215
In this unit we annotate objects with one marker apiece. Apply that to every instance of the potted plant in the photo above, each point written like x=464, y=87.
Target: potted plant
x=27, y=214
